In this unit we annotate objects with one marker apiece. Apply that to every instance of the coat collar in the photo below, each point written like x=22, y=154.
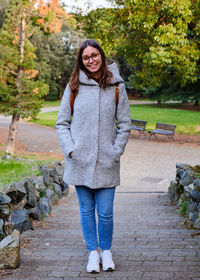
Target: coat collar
x=83, y=78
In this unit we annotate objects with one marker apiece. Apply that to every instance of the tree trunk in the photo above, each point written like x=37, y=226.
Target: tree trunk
x=21, y=45
x=10, y=146
x=196, y=103
x=60, y=89
x=159, y=101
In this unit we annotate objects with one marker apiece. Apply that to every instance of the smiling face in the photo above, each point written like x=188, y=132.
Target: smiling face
x=91, y=58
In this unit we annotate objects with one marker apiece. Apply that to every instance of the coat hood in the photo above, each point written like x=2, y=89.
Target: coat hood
x=116, y=78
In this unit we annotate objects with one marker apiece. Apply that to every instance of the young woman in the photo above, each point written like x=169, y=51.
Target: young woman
x=93, y=127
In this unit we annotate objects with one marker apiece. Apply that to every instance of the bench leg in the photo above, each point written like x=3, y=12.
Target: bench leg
x=152, y=134
x=171, y=138
x=141, y=132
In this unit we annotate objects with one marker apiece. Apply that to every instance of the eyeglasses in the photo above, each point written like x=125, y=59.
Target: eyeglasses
x=93, y=56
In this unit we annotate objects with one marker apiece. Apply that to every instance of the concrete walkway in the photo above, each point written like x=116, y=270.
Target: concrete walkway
x=150, y=242
x=150, y=239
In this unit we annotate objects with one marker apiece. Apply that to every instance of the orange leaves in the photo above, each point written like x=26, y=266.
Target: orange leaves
x=31, y=73
x=51, y=14
x=35, y=90
x=16, y=40
x=51, y=5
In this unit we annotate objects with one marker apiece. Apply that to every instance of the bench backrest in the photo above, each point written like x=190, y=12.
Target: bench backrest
x=138, y=123
x=165, y=126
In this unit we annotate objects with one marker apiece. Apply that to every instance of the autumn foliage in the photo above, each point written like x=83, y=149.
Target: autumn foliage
x=51, y=15
x=21, y=91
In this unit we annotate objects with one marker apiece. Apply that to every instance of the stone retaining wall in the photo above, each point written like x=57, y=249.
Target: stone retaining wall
x=185, y=191
x=21, y=202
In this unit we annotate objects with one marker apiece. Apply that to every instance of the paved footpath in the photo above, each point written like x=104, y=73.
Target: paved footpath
x=150, y=239
x=150, y=242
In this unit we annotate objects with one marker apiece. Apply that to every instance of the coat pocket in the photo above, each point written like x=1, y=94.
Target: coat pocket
x=116, y=157
x=80, y=155
x=107, y=156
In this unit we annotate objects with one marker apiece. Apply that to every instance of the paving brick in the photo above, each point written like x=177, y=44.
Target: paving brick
x=148, y=244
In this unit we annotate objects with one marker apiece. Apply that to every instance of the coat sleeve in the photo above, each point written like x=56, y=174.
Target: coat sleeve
x=123, y=122
x=64, y=122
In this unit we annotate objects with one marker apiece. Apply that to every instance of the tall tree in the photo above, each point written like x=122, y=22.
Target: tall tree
x=55, y=57
x=20, y=91
x=159, y=38
x=3, y=7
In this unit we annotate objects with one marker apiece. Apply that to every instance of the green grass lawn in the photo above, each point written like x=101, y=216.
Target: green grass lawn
x=51, y=103
x=15, y=170
x=187, y=122
x=47, y=119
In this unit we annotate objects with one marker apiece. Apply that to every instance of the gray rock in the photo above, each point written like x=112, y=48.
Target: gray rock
x=191, y=208
x=44, y=206
x=182, y=165
x=187, y=177
x=10, y=251
x=16, y=192
x=51, y=197
x=197, y=223
x=54, y=176
x=19, y=205
x=45, y=174
x=189, y=188
x=4, y=211
x=59, y=168
x=195, y=216
x=31, y=194
x=7, y=156
x=184, y=174
x=4, y=199
x=174, y=191
x=8, y=227
x=20, y=220
x=37, y=181
x=57, y=190
x=56, y=172
x=1, y=228
x=187, y=193
x=195, y=195
x=37, y=195
x=196, y=182
x=35, y=213
x=65, y=187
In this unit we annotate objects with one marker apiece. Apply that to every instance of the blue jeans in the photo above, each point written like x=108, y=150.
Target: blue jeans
x=102, y=199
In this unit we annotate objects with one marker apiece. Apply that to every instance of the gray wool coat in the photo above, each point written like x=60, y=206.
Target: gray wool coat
x=97, y=134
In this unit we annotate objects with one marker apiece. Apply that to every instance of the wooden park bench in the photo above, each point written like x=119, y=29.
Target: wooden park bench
x=138, y=125
x=164, y=129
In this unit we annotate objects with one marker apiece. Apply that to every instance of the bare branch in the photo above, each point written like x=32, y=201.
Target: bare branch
x=6, y=68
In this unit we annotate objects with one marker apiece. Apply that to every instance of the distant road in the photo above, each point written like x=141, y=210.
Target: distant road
x=56, y=108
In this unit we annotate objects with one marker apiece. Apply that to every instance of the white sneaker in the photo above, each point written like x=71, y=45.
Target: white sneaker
x=106, y=260
x=93, y=262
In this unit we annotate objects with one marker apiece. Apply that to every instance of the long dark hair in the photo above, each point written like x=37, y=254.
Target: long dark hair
x=105, y=74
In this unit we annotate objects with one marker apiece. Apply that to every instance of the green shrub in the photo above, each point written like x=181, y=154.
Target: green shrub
x=42, y=192
x=183, y=207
